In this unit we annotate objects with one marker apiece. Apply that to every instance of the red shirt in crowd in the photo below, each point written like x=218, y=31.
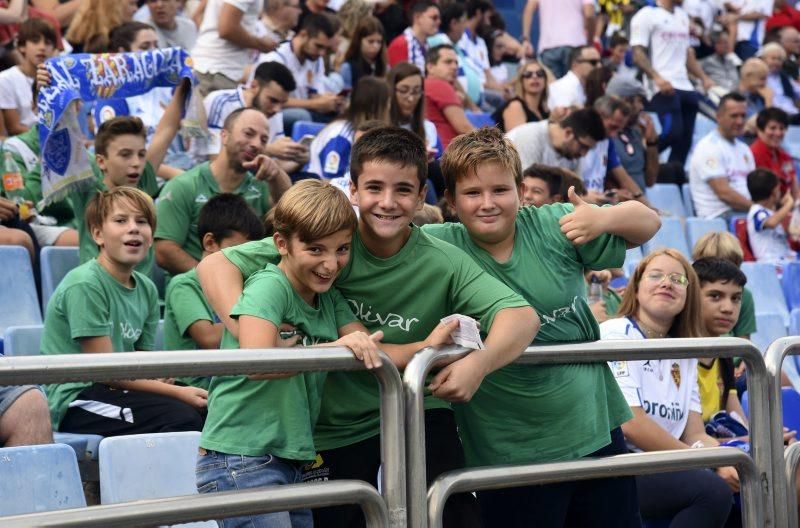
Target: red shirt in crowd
x=439, y=95
x=777, y=160
x=784, y=16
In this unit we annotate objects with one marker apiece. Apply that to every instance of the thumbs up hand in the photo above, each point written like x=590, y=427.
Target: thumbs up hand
x=585, y=223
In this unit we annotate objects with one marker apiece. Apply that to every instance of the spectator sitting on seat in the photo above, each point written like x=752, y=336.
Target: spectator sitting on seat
x=24, y=416
x=407, y=109
x=412, y=45
x=268, y=91
x=330, y=150
x=529, y=103
x=560, y=144
x=721, y=162
x=13, y=232
x=173, y=30
x=663, y=300
x=104, y=305
x=753, y=86
x=722, y=66
x=768, y=151
x=89, y=29
x=619, y=52
x=36, y=42
x=789, y=39
x=570, y=90
x=764, y=220
x=477, y=53
x=303, y=55
x=222, y=49
x=444, y=106
x=366, y=54
x=226, y=220
x=786, y=91
x=280, y=17
x=241, y=168
x=541, y=185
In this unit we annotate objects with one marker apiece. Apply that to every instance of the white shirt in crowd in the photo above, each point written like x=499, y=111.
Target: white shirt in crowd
x=665, y=389
x=477, y=52
x=213, y=54
x=567, y=91
x=752, y=30
x=15, y=94
x=666, y=35
x=716, y=157
x=594, y=166
x=532, y=141
x=329, y=153
x=779, y=97
x=308, y=76
x=768, y=245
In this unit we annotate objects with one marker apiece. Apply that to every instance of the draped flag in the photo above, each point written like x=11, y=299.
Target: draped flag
x=87, y=77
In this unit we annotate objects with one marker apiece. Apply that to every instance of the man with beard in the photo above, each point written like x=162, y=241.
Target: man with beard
x=560, y=144
x=244, y=139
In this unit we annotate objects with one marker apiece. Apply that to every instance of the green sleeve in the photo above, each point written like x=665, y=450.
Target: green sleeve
x=87, y=310
x=148, y=182
x=252, y=256
x=33, y=187
x=147, y=341
x=187, y=304
x=604, y=252
x=265, y=296
x=344, y=315
x=746, y=325
x=613, y=301
x=174, y=211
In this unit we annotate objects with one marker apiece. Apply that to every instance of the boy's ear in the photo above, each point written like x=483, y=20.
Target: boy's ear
x=421, y=197
x=450, y=199
x=97, y=235
x=101, y=161
x=353, y=193
x=210, y=243
x=281, y=243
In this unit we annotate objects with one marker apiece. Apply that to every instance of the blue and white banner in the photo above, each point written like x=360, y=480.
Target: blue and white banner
x=86, y=77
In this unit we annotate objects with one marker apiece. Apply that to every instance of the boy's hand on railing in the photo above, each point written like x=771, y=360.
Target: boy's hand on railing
x=458, y=381
x=194, y=396
x=364, y=347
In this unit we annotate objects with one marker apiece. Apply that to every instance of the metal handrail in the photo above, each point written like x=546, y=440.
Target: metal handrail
x=497, y=477
x=629, y=350
x=193, y=508
x=791, y=463
x=785, y=498
x=149, y=365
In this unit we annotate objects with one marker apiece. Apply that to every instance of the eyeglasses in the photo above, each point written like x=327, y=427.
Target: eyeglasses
x=583, y=148
x=678, y=279
x=408, y=92
x=593, y=62
x=538, y=73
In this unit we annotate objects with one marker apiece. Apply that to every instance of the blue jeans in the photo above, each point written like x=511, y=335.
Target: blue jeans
x=557, y=59
x=222, y=472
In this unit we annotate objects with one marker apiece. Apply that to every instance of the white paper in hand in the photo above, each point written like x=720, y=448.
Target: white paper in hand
x=467, y=334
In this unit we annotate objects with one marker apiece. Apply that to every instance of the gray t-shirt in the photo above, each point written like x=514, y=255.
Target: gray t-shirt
x=533, y=144
x=183, y=36
x=631, y=153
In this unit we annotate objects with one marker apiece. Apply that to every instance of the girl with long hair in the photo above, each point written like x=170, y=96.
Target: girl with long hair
x=407, y=108
x=530, y=98
x=366, y=54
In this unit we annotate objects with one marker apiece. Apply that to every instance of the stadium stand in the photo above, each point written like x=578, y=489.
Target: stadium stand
x=19, y=303
x=56, y=262
x=480, y=119
x=671, y=235
x=687, y=199
x=762, y=280
x=666, y=197
x=302, y=128
x=697, y=227
x=790, y=282
x=22, y=340
x=770, y=326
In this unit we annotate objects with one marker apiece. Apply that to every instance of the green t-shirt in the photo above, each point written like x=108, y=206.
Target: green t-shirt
x=746, y=325
x=538, y=413
x=185, y=305
x=182, y=198
x=613, y=300
x=89, y=302
x=255, y=418
x=404, y=295
x=79, y=200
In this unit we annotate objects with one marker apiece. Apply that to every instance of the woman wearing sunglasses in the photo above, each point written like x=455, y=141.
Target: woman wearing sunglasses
x=530, y=98
x=663, y=300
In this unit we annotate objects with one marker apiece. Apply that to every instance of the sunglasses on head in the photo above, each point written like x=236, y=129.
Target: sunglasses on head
x=538, y=73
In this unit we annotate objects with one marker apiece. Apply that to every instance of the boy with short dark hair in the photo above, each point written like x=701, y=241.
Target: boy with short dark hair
x=765, y=218
x=402, y=282
x=104, y=305
x=542, y=185
x=189, y=322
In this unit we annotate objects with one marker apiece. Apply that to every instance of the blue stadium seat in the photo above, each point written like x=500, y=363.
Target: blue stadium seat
x=22, y=340
x=39, y=479
x=791, y=142
x=670, y=235
x=19, y=303
x=791, y=407
x=697, y=227
x=762, y=280
x=159, y=341
x=480, y=119
x=89, y=442
x=790, y=281
x=794, y=322
x=666, y=197
x=55, y=262
x=148, y=466
x=301, y=128
x=687, y=199
x=770, y=327
x=702, y=126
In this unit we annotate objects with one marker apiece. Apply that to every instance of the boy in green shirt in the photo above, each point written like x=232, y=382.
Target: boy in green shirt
x=105, y=305
x=189, y=322
x=402, y=282
x=526, y=414
x=259, y=430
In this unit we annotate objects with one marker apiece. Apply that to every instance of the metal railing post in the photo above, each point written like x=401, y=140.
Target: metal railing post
x=615, y=466
x=791, y=463
x=784, y=497
x=630, y=350
x=174, y=510
x=151, y=365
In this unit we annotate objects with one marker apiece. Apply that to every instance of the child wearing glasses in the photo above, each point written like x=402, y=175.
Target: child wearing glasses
x=663, y=300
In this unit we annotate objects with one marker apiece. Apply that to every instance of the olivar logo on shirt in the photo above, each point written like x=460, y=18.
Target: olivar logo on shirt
x=560, y=313
x=128, y=332
x=392, y=320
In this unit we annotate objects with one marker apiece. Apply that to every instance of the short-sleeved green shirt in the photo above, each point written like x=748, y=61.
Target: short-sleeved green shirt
x=185, y=305
x=522, y=413
x=746, y=325
x=182, y=198
x=89, y=302
x=405, y=296
x=612, y=300
x=79, y=200
x=277, y=417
